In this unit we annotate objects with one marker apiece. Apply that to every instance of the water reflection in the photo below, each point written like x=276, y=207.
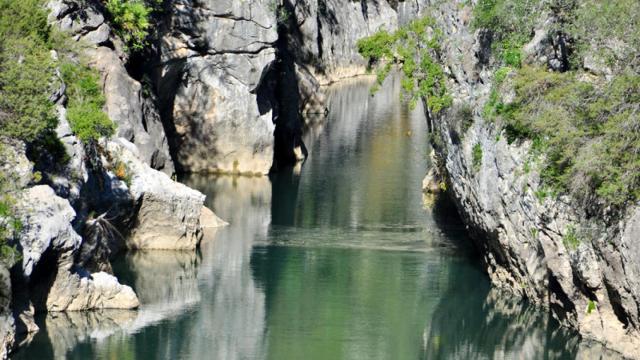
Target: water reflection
x=339, y=261
x=230, y=325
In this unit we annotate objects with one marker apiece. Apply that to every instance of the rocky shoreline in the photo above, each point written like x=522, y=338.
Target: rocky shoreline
x=591, y=286
x=221, y=90
x=186, y=110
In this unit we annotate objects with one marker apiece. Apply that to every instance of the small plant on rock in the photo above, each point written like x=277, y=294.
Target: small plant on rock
x=131, y=21
x=477, y=156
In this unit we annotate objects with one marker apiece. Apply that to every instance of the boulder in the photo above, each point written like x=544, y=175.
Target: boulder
x=48, y=244
x=167, y=213
x=14, y=164
x=210, y=220
x=77, y=291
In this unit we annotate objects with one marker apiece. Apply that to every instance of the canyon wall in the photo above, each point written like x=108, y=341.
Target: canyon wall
x=230, y=72
x=592, y=286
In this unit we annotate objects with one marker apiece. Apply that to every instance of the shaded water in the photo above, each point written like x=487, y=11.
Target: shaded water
x=340, y=261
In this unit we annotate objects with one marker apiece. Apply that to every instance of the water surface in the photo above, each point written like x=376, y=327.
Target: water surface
x=338, y=259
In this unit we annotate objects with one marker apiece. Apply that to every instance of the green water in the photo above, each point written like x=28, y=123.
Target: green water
x=336, y=260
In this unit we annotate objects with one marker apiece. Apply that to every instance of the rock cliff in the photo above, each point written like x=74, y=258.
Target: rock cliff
x=221, y=64
x=591, y=286
x=79, y=208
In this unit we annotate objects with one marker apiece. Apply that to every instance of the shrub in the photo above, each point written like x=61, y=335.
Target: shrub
x=511, y=22
x=609, y=27
x=477, y=156
x=84, y=109
x=131, y=21
x=27, y=80
x=26, y=70
x=590, y=135
x=501, y=74
x=377, y=46
x=9, y=224
x=414, y=47
x=570, y=238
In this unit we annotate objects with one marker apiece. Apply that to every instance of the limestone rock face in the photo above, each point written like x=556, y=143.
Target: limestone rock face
x=328, y=31
x=590, y=286
x=7, y=327
x=49, y=243
x=15, y=164
x=213, y=55
x=167, y=214
x=46, y=220
x=218, y=57
x=134, y=112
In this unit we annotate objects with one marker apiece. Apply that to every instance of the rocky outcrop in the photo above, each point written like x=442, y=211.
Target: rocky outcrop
x=212, y=55
x=234, y=76
x=324, y=33
x=135, y=115
x=133, y=111
x=590, y=285
x=7, y=327
x=48, y=244
x=167, y=213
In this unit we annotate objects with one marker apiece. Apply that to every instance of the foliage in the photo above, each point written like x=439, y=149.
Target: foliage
x=477, y=156
x=84, y=109
x=26, y=70
x=131, y=20
x=570, y=238
x=590, y=134
x=414, y=47
x=501, y=74
x=511, y=22
x=377, y=46
x=123, y=172
x=9, y=224
x=591, y=306
x=609, y=27
x=28, y=78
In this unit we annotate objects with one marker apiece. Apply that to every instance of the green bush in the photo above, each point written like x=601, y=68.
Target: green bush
x=605, y=26
x=9, y=224
x=511, y=22
x=590, y=134
x=570, y=239
x=477, y=156
x=131, y=21
x=27, y=79
x=84, y=109
x=26, y=70
x=415, y=49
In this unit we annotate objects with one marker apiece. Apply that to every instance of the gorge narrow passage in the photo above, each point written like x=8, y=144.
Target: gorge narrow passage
x=339, y=261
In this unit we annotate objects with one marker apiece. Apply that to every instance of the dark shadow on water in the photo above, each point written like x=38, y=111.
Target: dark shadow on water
x=284, y=198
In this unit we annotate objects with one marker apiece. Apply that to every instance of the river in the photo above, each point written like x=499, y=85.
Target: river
x=342, y=258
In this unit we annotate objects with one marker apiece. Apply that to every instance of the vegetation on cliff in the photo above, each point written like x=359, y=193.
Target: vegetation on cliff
x=585, y=126
x=589, y=132
x=30, y=54
x=414, y=47
x=9, y=224
x=131, y=21
x=38, y=65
